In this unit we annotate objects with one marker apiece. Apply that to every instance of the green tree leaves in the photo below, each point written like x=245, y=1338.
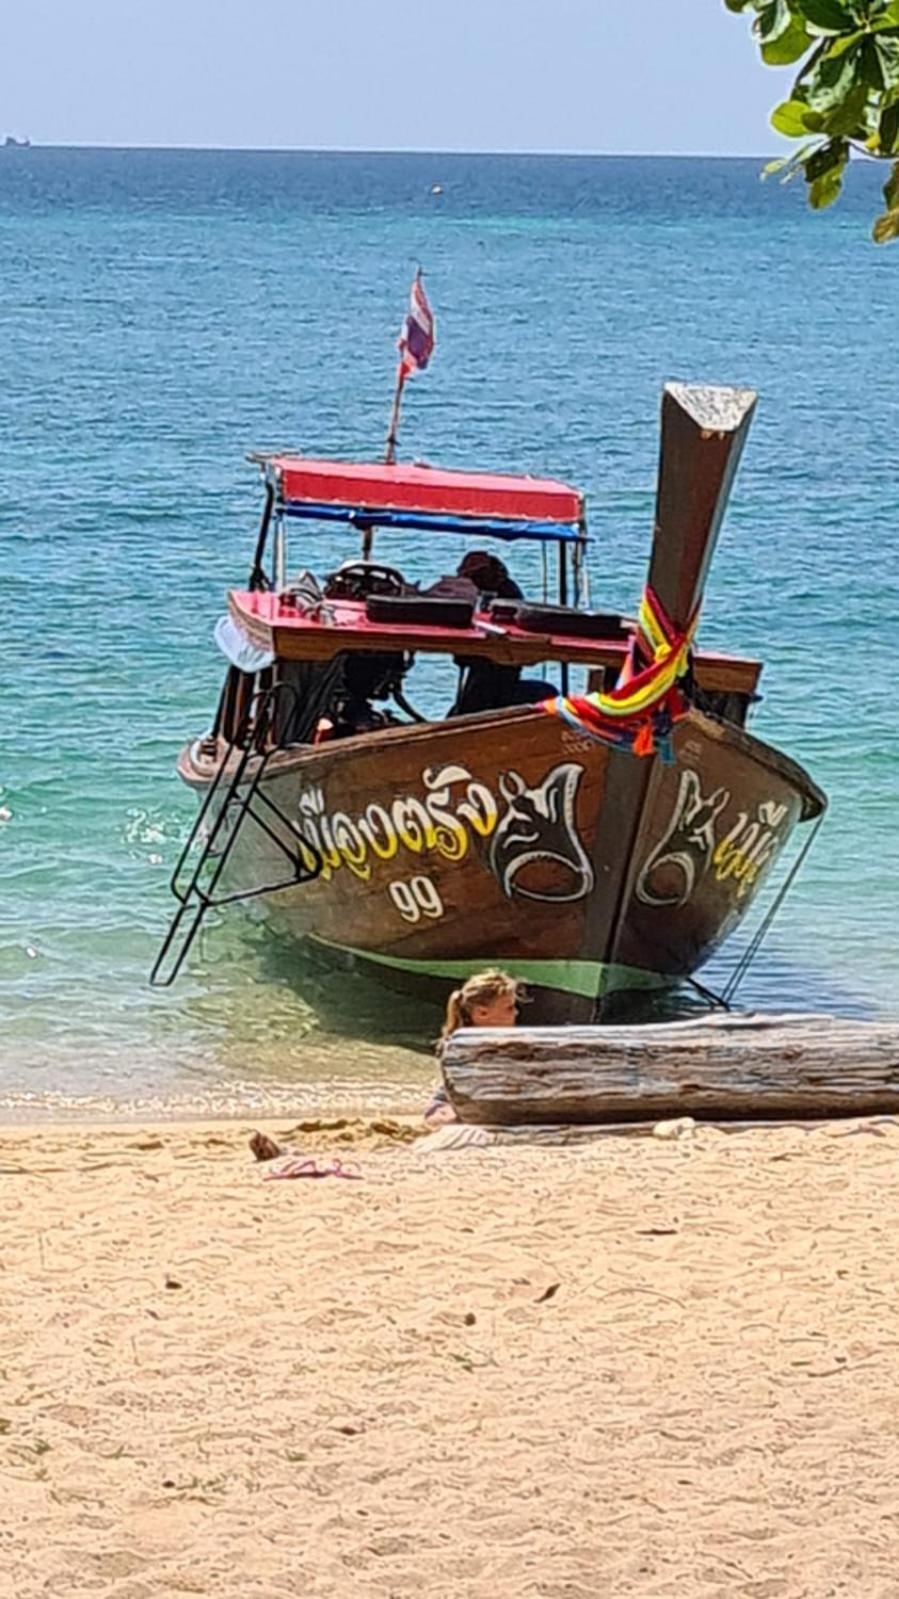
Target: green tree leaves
x=886, y=226
x=824, y=172
x=795, y=119
x=845, y=97
x=831, y=16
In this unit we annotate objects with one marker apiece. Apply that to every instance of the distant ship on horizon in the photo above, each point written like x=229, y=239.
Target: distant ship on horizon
x=12, y=143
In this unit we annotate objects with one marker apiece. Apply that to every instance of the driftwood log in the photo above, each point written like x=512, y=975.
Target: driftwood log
x=738, y=1068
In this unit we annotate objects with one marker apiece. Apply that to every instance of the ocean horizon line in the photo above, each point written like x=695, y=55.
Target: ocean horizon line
x=363, y=150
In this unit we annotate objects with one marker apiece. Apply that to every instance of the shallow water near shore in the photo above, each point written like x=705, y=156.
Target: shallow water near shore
x=166, y=311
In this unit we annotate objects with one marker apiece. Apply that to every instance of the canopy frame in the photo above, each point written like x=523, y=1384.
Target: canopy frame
x=372, y=497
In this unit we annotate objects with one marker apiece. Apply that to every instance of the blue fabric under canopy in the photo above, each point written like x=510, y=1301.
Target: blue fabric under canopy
x=432, y=522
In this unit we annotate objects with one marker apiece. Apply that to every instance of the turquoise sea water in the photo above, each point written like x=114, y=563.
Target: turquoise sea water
x=163, y=312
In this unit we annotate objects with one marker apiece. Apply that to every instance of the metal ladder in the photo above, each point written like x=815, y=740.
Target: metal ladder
x=238, y=796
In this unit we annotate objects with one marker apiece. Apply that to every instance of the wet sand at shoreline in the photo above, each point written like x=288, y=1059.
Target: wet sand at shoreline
x=633, y=1366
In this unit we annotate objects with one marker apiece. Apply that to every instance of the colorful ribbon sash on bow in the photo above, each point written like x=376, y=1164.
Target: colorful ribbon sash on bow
x=639, y=713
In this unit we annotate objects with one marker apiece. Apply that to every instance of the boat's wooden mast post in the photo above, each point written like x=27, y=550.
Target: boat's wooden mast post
x=703, y=434
x=703, y=431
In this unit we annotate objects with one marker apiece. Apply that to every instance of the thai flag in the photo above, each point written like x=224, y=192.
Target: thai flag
x=416, y=342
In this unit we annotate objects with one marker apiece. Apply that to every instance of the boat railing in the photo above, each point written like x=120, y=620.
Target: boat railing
x=289, y=716
x=233, y=795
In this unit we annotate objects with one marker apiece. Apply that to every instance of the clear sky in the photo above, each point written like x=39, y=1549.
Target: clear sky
x=640, y=76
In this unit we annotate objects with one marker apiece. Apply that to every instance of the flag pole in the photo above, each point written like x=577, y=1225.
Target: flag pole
x=416, y=345
x=393, y=425
x=389, y=444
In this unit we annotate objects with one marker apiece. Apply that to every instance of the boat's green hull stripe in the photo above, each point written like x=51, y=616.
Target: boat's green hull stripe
x=586, y=978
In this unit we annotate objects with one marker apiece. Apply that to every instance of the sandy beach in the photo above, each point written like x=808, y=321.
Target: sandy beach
x=637, y=1366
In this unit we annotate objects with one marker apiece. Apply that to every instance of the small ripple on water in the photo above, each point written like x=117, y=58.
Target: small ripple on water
x=236, y=1101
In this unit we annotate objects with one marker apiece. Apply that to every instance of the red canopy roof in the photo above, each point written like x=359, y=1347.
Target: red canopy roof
x=424, y=488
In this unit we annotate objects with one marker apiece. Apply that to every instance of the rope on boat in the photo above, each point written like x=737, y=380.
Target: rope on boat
x=724, y=1001
x=639, y=713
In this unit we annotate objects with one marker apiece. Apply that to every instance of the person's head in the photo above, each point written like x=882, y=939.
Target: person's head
x=488, y=573
x=490, y=999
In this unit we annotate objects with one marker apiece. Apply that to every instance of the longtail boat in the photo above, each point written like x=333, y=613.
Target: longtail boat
x=597, y=830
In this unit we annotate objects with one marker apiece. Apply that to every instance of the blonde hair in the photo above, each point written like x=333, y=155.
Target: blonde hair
x=482, y=989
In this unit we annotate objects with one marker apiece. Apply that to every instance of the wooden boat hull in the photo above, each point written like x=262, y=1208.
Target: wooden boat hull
x=509, y=839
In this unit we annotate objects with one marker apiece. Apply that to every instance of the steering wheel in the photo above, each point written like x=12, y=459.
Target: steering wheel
x=357, y=579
